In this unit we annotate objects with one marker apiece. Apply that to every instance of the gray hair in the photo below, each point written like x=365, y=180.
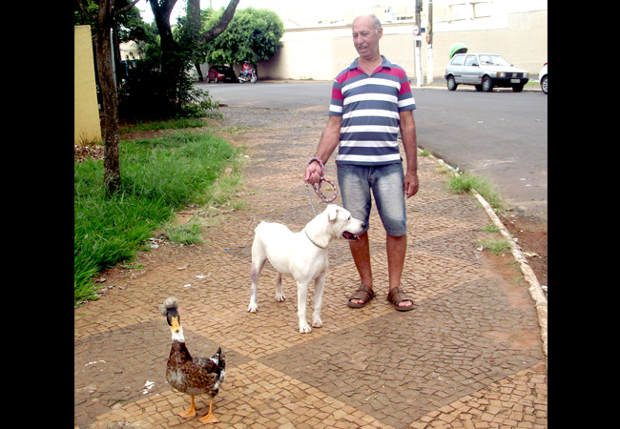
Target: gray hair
x=375, y=20
x=377, y=23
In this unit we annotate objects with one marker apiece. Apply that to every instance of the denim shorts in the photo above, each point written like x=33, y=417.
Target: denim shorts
x=386, y=183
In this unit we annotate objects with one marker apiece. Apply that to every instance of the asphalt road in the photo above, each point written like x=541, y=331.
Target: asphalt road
x=501, y=135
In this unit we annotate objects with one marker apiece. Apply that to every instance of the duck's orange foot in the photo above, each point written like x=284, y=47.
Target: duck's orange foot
x=189, y=413
x=209, y=417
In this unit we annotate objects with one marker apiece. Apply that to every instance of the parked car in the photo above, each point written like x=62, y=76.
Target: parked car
x=542, y=79
x=221, y=73
x=484, y=71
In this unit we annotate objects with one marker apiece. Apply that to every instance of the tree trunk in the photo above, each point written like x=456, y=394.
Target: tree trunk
x=200, y=77
x=193, y=19
x=171, y=60
x=110, y=130
x=116, y=47
x=109, y=99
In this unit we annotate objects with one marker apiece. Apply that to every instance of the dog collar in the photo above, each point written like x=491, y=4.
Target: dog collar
x=312, y=241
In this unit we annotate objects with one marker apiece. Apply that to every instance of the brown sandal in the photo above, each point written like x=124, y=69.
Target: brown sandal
x=396, y=296
x=363, y=293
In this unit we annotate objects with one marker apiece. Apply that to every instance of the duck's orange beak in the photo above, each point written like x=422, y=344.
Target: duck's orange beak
x=175, y=325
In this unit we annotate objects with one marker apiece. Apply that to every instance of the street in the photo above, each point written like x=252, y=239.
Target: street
x=501, y=136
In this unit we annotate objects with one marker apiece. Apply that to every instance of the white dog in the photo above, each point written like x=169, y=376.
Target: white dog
x=301, y=254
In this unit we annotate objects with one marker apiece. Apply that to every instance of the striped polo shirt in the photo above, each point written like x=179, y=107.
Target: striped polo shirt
x=370, y=106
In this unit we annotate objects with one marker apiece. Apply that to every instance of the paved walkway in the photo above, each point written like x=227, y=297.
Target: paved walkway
x=468, y=356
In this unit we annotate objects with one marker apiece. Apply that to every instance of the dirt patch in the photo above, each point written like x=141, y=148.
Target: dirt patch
x=531, y=234
x=84, y=152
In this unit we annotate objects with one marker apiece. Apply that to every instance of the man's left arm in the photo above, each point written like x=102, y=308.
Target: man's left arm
x=408, y=134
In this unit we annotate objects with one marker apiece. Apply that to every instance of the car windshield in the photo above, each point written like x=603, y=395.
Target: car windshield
x=457, y=60
x=494, y=60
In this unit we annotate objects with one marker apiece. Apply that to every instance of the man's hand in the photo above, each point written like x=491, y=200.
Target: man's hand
x=411, y=184
x=329, y=141
x=313, y=174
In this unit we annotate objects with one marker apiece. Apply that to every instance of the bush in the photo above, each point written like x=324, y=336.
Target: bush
x=144, y=95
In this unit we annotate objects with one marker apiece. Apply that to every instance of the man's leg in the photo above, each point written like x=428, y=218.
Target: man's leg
x=396, y=248
x=355, y=191
x=360, y=250
x=390, y=197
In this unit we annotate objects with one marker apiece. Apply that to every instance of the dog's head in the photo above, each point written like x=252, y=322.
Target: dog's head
x=342, y=224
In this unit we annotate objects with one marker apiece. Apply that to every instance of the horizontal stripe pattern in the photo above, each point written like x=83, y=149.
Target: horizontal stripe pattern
x=370, y=107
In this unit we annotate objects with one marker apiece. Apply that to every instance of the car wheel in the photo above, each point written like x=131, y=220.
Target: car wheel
x=544, y=84
x=451, y=83
x=478, y=87
x=487, y=84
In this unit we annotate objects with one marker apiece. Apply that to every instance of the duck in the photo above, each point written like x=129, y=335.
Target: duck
x=191, y=375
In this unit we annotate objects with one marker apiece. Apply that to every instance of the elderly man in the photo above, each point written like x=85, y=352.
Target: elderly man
x=371, y=101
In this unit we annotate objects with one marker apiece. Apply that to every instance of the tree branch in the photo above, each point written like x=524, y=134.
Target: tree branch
x=84, y=8
x=128, y=6
x=219, y=28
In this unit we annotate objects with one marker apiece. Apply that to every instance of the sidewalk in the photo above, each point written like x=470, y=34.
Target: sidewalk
x=468, y=356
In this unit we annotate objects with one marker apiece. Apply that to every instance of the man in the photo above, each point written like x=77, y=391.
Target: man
x=371, y=102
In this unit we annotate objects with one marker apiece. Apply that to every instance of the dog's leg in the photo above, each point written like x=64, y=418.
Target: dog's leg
x=302, y=295
x=254, y=272
x=319, y=284
x=279, y=294
x=258, y=261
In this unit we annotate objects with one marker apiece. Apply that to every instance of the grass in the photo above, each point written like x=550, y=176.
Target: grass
x=490, y=228
x=158, y=176
x=495, y=245
x=465, y=182
x=163, y=125
x=187, y=233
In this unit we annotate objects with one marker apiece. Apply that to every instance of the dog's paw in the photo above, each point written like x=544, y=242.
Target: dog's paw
x=252, y=307
x=304, y=328
x=280, y=297
x=316, y=322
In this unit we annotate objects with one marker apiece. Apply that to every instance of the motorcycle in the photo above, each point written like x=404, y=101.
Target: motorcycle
x=248, y=76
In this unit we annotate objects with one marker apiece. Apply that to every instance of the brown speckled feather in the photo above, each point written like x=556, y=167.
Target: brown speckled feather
x=190, y=376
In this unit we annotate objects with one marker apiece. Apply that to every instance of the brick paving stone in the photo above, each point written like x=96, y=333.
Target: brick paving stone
x=468, y=356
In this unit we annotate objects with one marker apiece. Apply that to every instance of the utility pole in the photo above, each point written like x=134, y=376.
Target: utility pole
x=429, y=42
x=418, y=44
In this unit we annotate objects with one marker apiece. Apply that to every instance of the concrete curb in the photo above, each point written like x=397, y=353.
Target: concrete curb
x=470, y=88
x=536, y=292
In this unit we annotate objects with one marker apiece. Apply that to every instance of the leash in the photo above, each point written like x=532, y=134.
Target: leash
x=317, y=187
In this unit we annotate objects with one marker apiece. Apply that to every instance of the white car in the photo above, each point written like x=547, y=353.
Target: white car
x=484, y=71
x=542, y=78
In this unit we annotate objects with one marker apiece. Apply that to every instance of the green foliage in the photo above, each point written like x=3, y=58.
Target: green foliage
x=187, y=233
x=163, y=125
x=495, y=245
x=465, y=182
x=146, y=95
x=158, y=177
x=253, y=35
x=130, y=24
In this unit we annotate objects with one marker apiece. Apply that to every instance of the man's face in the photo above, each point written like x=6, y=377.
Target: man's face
x=366, y=37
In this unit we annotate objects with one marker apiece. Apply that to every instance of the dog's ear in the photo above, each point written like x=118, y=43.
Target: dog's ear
x=332, y=213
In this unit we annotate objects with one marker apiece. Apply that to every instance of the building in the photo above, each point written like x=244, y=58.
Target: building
x=516, y=29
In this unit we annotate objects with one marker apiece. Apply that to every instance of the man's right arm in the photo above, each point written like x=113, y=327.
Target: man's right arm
x=328, y=143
